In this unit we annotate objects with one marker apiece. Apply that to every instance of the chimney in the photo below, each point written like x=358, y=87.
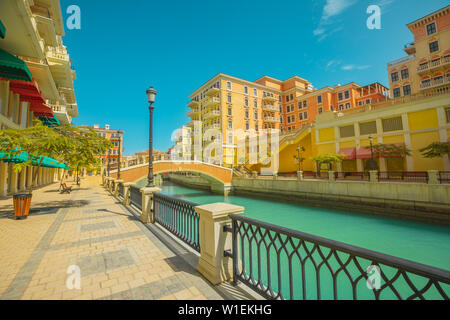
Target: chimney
x=107, y=126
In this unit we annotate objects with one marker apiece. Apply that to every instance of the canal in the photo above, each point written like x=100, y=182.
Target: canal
x=424, y=243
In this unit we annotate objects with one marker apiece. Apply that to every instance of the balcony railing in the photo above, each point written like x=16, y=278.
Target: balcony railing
x=211, y=102
x=434, y=83
x=135, y=196
x=271, y=119
x=268, y=97
x=212, y=92
x=59, y=53
x=192, y=112
x=432, y=64
x=192, y=103
x=271, y=107
x=212, y=114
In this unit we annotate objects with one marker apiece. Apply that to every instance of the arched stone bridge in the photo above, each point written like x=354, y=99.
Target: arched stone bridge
x=219, y=177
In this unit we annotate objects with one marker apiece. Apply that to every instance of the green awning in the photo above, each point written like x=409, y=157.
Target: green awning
x=50, y=121
x=2, y=30
x=23, y=157
x=12, y=67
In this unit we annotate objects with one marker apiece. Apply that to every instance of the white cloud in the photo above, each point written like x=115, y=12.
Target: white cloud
x=331, y=9
x=350, y=67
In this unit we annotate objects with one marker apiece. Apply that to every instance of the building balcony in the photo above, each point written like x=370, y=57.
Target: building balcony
x=192, y=103
x=211, y=102
x=431, y=65
x=192, y=112
x=57, y=53
x=271, y=107
x=61, y=113
x=212, y=114
x=212, y=92
x=401, y=61
x=212, y=126
x=271, y=119
x=267, y=97
x=410, y=48
x=434, y=83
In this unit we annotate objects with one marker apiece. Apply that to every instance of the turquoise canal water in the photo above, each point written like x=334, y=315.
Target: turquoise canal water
x=423, y=243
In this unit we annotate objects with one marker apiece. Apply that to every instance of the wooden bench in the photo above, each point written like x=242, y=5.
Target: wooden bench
x=66, y=189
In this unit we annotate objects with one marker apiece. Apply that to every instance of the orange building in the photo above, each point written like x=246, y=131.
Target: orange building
x=116, y=138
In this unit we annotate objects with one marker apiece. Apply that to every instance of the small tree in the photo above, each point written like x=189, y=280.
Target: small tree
x=390, y=150
x=436, y=150
x=329, y=159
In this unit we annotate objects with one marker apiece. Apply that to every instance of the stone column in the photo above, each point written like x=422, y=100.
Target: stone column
x=299, y=175
x=147, y=215
x=29, y=176
x=331, y=176
x=13, y=181
x=23, y=178
x=111, y=184
x=126, y=195
x=433, y=177
x=213, y=265
x=275, y=176
x=116, y=187
x=373, y=176
x=3, y=179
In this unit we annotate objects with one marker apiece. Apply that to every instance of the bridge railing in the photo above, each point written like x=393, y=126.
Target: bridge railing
x=136, y=196
x=179, y=217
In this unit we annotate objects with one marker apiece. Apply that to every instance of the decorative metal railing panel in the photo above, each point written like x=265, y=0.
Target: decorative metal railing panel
x=136, y=196
x=444, y=177
x=179, y=217
x=280, y=263
x=361, y=176
x=404, y=176
x=121, y=190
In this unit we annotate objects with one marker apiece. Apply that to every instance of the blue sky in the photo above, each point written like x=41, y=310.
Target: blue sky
x=123, y=47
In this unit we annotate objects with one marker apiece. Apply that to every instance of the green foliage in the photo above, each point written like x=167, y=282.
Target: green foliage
x=436, y=150
x=390, y=150
x=329, y=158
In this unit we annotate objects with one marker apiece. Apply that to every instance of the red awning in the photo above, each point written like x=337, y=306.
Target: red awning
x=40, y=110
x=28, y=91
x=364, y=153
x=349, y=152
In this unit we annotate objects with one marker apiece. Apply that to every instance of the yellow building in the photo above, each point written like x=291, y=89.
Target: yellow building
x=426, y=69
x=33, y=40
x=415, y=124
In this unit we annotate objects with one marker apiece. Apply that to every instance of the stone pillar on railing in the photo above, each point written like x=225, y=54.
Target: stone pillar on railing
x=299, y=175
x=331, y=176
x=147, y=215
x=111, y=184
x=275, y=176
x=433, y=177
x=106, y=184
x=116, y=187
x=213, y=264
x=254, y=174
x=126, y=193
x=373, y=176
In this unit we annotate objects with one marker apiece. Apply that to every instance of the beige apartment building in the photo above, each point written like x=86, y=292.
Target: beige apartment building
x=426, y=69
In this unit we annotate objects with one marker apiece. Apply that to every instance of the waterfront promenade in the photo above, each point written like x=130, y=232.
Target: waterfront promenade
x=119, y=257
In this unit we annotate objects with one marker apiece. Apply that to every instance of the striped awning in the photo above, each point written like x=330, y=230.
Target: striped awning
x=12, y=67
x=2, y=30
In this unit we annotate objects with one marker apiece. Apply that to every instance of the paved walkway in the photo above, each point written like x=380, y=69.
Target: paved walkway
x=119, y=257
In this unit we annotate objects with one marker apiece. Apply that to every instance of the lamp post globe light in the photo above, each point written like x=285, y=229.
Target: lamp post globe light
x=151, y=95
x=371, y=164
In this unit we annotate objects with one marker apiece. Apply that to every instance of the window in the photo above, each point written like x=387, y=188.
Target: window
x=300, y=116
x=347, y=94
x=286, y=98
x=394, y=76
x=319, y=99
x=255, y=92
x=447, y=112
x=431, y=28
x=229, y=98
x=255, y=104
x=368, y=128
x=434, y=46
x=230, y=111
x=406, y=90
x=246, y=90
x=360, y=103
x=230, y=124
x=299, y=104
x=320, y=110
x=305, y=115
x=256, y=115
x=347, y=131
x=230, y=138
x=247, y=125
x=347, y=105
x=289, y=119
x=396, y=92
x=341, y=107
x=340, y=96
x=368, y=101
x=247, y=114
x=305, y=104
x=405, y=74
x=293, y=118
x=392, y=124
x=246, y=101
x=291, y=97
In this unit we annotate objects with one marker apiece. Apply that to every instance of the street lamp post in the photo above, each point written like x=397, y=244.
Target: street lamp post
x=118, y=165
x=371, y=164
x=300, y=149
x=151, y=95
x=109, y=159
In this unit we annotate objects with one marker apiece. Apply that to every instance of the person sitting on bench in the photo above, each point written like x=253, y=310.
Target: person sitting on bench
x=65, y=188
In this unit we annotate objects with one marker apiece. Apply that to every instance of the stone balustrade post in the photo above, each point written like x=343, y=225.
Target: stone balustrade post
x=254, y=174
x=331, y=176
x=116, y=187
x=433, y=177
x=275, y=176
x=299, y=175
x=213, y=264
x=126, y=193
x=147, y=215
x=373, y=176
x=111, y=184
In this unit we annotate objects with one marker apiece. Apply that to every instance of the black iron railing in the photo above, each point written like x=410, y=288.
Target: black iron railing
x=113, y=185
x=358, y=176
x=121, y=190
x=281, y=263
x=444, y=177
x=179, y=217
x=136, y=196
x=404, y=176
x=315, y=175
